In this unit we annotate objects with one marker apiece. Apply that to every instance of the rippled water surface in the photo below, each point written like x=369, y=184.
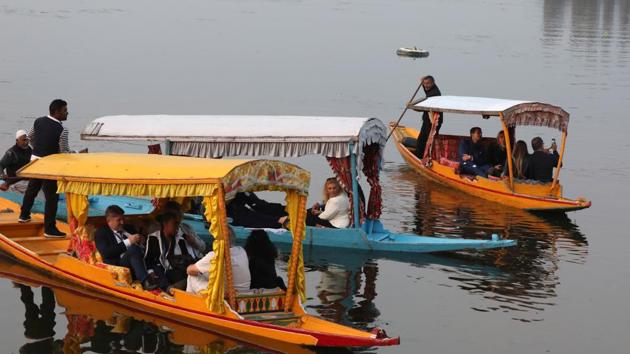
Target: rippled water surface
x=563, y=289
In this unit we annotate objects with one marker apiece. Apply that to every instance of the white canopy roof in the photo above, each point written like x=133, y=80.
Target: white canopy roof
x=217, y=136
x=515, y=112
x=463, y=104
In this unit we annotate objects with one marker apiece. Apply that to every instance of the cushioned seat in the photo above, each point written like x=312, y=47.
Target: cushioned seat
x=449, y=163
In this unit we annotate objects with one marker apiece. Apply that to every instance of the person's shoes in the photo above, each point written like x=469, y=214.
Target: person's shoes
x=54, y=234
x=24, y=219
x=149, y=284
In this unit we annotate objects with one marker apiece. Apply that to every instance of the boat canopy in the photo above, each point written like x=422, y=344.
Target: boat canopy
x=214, y=136
x=81, y=175
x=164, y=176
x=513, y=112
x=350, y=144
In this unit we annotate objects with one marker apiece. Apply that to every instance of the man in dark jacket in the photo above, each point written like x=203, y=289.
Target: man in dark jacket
x=119, y=245
x=247, y=210
x=430, y=90
x=542, y=162
x=472, y=155
x=48, y=136
x=14, y=159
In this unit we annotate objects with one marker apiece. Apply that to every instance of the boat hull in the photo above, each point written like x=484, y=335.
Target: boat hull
x=379, y=240
x=404, y=52
x=525, y=196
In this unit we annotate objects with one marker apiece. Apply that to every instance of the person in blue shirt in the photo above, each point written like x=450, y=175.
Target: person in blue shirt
x=472, y=155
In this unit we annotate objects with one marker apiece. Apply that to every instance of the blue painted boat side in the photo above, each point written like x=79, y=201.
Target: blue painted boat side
x=383, y=241
x=379, y=240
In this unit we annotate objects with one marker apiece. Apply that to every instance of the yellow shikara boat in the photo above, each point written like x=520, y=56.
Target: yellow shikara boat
x=439, y=162
x=249, y=317
x=84, y=308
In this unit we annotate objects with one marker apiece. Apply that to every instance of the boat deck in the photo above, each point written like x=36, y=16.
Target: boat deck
x=31, y=234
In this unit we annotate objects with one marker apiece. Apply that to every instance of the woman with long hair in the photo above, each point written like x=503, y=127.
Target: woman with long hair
x=335, y=207
x=520, y=158
x=262, y=254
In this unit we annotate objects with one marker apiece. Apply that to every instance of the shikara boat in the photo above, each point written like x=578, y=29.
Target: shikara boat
x=83, y=316
x=350, y=145
x=251, y=317
x=439, y=162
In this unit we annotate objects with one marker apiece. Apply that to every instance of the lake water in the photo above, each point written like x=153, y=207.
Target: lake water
x=564, y=289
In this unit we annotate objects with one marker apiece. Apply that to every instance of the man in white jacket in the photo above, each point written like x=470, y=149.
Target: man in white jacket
x=199, y=272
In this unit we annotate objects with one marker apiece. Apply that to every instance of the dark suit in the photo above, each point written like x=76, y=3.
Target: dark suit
x=477, y=165
x=247, y=210
x=116, y=253
x=541, y=164
x=425, y=130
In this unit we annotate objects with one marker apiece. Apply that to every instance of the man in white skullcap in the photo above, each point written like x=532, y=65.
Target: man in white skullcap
x=14, y=159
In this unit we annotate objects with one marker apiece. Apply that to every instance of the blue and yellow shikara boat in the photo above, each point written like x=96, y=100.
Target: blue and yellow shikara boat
x=350, y=145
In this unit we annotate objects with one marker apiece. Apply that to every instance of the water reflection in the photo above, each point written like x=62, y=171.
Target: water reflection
x=99, y=325
x=520, y=280
x=594, y=27
x=39, y=322
x=346, y=287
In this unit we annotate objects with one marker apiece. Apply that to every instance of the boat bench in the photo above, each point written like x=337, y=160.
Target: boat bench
x=447, y=146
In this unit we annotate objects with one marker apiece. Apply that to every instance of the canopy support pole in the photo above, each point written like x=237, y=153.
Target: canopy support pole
x=508, y=150
x=556, y=175
x=229, y=278
x=296, y=252
x=167, y=147
x=355, y=185
x=435, y=120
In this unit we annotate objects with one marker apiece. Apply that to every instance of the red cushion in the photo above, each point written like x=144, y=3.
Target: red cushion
x=449, y=163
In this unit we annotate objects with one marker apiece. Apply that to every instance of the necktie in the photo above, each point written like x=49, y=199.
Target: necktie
x=120, y=235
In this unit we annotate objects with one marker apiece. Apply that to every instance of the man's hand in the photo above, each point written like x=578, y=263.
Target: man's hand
x=554, y=146
x=466, y=157
x=192, y=270
x=4, y=187
x=316, y=209
x=134, y=239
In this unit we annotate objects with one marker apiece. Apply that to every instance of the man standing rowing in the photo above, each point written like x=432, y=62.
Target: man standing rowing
x=430, y=90
x=48, y=136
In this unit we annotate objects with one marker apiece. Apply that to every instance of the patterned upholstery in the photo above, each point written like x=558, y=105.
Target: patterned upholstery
x=449, y=163
x=446, y=146
x=121, y=274
x=258, y=303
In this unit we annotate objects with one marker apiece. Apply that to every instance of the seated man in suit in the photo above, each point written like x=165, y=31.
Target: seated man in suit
x=119, y=245
x=472, y=155
x=542, y=161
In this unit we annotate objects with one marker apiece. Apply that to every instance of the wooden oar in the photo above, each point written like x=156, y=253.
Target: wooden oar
x=404, y=111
